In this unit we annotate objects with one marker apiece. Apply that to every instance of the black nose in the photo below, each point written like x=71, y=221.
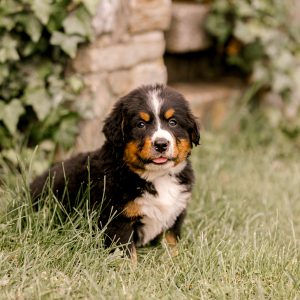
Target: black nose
x=161, y=144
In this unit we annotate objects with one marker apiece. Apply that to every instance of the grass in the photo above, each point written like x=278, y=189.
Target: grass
x=240, y=239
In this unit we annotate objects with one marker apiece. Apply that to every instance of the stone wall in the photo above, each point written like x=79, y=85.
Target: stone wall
x=127, y=52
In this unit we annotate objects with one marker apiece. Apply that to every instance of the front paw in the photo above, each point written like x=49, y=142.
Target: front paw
x=171, y=242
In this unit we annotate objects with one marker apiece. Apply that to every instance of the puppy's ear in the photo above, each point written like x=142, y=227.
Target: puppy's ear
x=193, y=130
x=114, y=124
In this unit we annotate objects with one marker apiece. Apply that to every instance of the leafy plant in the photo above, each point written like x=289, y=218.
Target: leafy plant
x=38, y=100
x=261, y=39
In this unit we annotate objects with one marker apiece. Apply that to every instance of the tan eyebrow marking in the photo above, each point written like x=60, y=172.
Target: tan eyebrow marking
x=169, y=113
x=144, y=116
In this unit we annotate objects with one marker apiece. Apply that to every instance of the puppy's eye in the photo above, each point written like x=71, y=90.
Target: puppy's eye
x=141, y=124
x=172, y=122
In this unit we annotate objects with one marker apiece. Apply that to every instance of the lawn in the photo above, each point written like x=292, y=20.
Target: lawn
x=240, y=239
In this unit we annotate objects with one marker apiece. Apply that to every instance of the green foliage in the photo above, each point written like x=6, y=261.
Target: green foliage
x=37, y=97
x=261, y=39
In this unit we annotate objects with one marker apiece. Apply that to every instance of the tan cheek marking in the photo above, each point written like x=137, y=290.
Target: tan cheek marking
x=144, y=116
x=131, y=158
x=130, y=153
x=183, y=150
x=132, y=210
x=146, y=151
x=169, y=113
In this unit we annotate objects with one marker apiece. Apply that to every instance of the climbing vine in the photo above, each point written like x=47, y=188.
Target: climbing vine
x=261, y=39
x=38, y=99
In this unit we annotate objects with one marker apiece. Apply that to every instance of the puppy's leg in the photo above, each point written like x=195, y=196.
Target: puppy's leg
x=173, y=234
x=120, y=232
x=133, y=255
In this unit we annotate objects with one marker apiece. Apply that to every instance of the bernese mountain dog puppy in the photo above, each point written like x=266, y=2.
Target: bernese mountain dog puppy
x=142, y=169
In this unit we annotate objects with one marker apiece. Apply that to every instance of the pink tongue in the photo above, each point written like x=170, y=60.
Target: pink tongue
x=160, y=160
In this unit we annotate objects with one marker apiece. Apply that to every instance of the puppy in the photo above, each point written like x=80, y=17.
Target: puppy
x=141, y=175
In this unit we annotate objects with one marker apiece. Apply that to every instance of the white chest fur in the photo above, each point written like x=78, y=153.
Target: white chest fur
x=161, y=210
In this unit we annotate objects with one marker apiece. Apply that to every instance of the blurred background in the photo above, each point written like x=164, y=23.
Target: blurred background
x=64, y=63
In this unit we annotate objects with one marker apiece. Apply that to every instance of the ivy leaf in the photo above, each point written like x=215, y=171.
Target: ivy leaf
x=76, y=83
x=79, y=22
x=67, y=131
x=10, y=114
x=284, y=60
x=7, y=22
x=246, y=32
x=28, y=49
x=39, y=100
x=260, y=73
x=4, y=73
x=281, y=82
x=8, y=7
x=218, y=26
x=222, y=7
x=42, y=9
x=68, y=43
x=91, y=5
x=245, y=10
x=8, y=48
x=31, y=24
x=253, y=52
x=6, y=140
x=33, y=28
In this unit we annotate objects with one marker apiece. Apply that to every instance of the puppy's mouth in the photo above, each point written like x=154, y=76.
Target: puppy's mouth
x=160, y=160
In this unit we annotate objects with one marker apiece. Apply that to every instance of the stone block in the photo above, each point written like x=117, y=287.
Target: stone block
x=120, y=82
x=211, y=102
x=97, y=93
x=186, y=32
x=140, y=48
x=99, y=99
x=123, y=81
x=149, y=73
x=90, y=137
x=148, y=15
x=294, y=11
x=111, y=18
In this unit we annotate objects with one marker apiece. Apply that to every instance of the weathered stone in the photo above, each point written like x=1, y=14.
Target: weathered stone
x=99, y=100
x=106, y=40
x=90, y=137
x=105, y=17
x=186, y=32
x=98, y=93
x=148, y=15
x=295, y=11
x=120, y=82
x=111, y=17
x=210, y=102
x=142, y=47
x=149, y=73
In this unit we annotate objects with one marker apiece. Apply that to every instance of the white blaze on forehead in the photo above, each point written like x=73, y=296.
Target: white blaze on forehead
x=155, y=104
